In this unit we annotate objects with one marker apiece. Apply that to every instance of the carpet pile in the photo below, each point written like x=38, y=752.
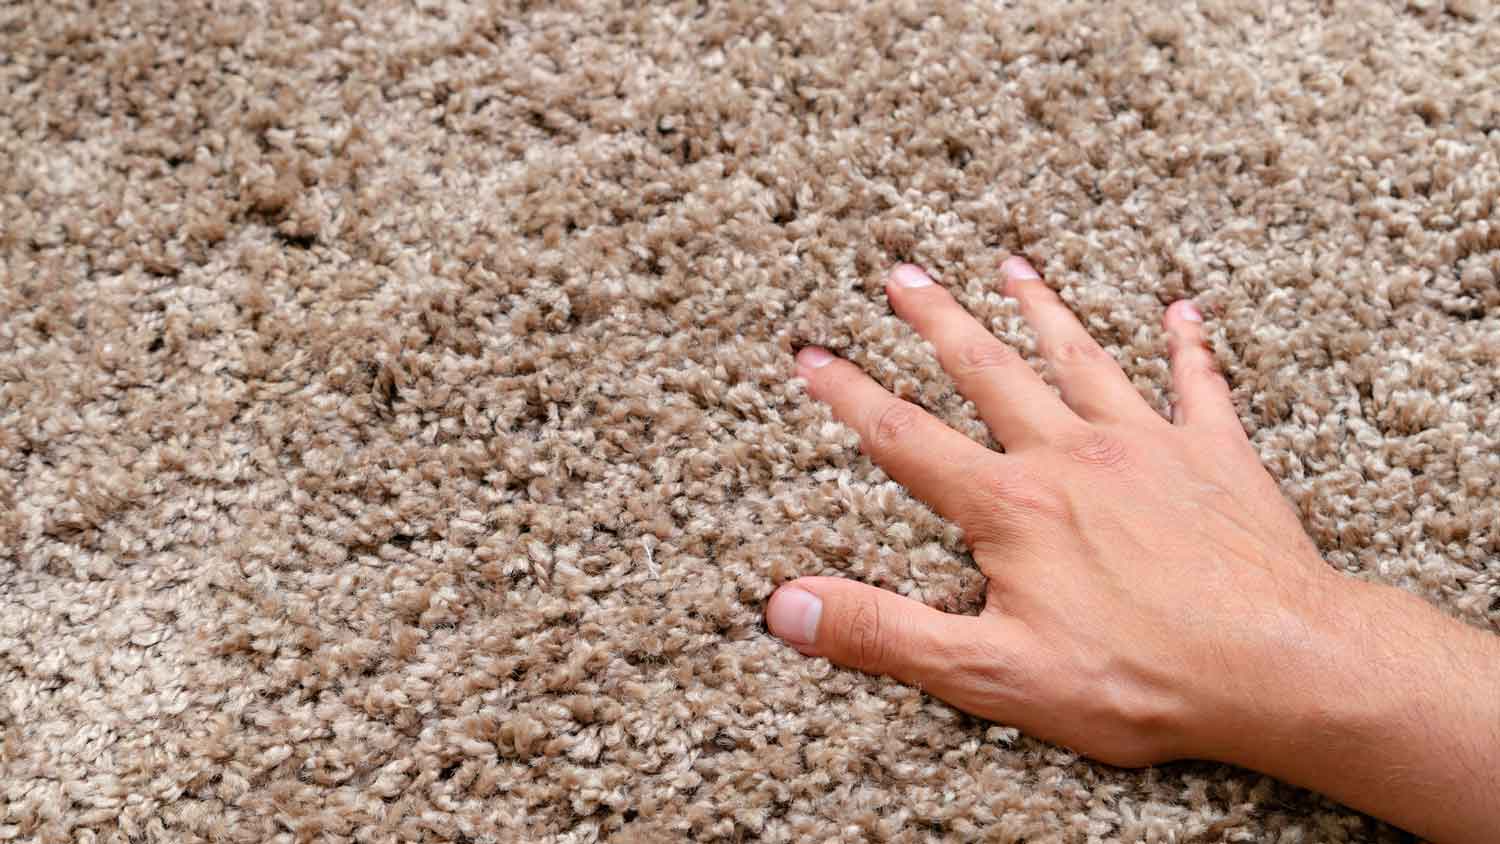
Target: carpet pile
x=398, y=437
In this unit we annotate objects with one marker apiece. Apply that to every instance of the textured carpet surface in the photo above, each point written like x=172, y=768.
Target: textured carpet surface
x=398, y=438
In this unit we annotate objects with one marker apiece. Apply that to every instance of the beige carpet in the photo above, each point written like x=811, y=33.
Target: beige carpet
x=397, y=432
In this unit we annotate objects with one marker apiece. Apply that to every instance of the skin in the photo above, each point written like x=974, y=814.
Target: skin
x=1152, y=596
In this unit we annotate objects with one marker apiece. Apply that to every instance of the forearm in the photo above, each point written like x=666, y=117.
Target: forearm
x=1391, y=708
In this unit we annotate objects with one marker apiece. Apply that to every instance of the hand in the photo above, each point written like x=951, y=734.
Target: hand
x=1131, y=560
x=1151, y=594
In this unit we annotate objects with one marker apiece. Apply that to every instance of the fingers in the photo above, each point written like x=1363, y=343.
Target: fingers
x=1012, y=399
x=1091, y=381
x=1202, y=393
x=859, y=626
x=913, y=447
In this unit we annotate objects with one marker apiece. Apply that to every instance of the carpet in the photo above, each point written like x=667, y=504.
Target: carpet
x=398, y=436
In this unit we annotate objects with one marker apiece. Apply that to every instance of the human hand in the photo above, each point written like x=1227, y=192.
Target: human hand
x=1135, y=565
x=1151, y=594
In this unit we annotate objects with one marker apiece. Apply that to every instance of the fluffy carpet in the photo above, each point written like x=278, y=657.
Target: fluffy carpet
x=398, y=437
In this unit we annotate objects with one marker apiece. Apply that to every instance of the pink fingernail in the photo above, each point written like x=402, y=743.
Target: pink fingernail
x=814, y=357
x=1016, y=268
x=910, y=275
x=793, y=615
x=1190, y=312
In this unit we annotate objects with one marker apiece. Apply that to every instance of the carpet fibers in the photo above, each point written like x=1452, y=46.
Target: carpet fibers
x=398, y=436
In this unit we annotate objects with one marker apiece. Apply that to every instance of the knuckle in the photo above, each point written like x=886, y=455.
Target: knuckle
x=1033, y=294
x=982, y=356
x=893, y=423
x=1026, y=299
x=1000, y=481
x=1098, y=448
x=1186, y=350
x=1006, y=497
x=866, y=640
x=1072, y=353
x=1183, y=340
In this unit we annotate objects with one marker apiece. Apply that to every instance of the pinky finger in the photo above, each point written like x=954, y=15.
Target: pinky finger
x=1203, y=399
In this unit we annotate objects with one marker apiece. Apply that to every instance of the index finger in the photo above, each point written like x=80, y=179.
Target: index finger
x=911, y=445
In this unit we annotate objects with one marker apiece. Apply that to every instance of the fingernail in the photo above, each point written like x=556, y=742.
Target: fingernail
x=1016, y=268
x=910, y=275
x=814, y=357
x=793, y=615
x=1190, y=312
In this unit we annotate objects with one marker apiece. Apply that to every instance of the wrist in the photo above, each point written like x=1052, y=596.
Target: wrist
x=1292, y=672
x=1310, y=686
x=1379, y=701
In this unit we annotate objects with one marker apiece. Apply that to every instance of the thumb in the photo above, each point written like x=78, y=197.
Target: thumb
x=872, y=630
